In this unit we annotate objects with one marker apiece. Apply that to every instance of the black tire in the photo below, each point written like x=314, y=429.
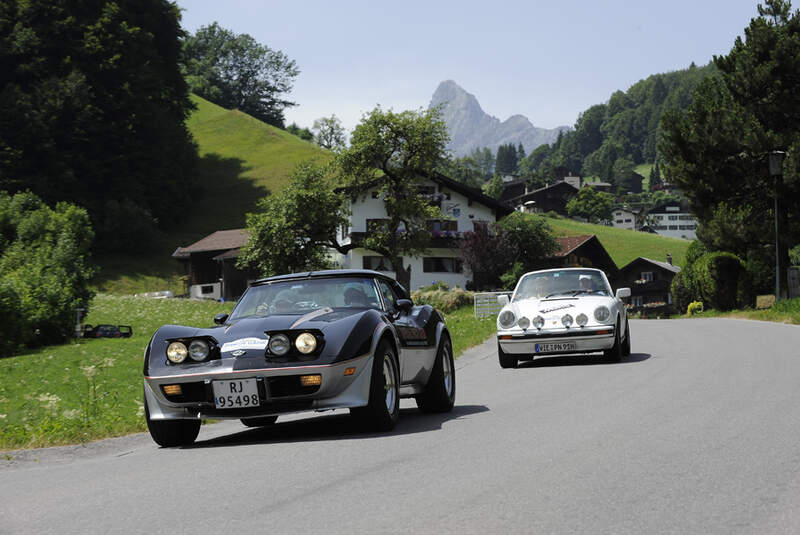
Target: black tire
x=626, y=345
x=259, y=421
x=614, y=353
x=506, y=360
x=383, y=409
x=440, y=392
x=171, y=433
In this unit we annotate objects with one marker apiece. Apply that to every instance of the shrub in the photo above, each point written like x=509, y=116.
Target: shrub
x=695, y=307
x=718, y=277
x=683, y=288
x=436, y=285
x=444, y=300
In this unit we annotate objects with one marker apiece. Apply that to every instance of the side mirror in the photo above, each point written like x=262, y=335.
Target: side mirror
x=502, y=299
x=219, y=319
x=405, y=305
x=623, y=292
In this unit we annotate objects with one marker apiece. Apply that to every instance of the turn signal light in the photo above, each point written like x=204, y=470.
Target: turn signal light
x=349, y=371
x=506, y=337
x=603, y=332
x=173, y=390
x=310, y=380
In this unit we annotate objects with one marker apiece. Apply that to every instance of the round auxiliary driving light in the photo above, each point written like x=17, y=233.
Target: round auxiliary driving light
x=524, y=323
x=198, y=350
x=566, y=320
x=602, y=313
x=538, y=322
x=279, y=344
x=506, y=319
x=306, y=343
x=581, y=319
x=177, y=352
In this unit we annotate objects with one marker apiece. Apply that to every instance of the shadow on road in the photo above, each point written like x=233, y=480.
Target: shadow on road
x=580, y=360
x=338, y=427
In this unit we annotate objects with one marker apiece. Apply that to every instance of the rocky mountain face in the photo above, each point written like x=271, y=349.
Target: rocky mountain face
x=470, y=127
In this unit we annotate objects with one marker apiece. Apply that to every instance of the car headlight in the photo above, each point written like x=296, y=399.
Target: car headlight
x=566, y=320
x=306, y=343
x=524, y=323
x=279, y=344
x=177, y=352
x=507, y=319
x=602, y=313
x=198, y=350
x=538, y=322
x=581, y=319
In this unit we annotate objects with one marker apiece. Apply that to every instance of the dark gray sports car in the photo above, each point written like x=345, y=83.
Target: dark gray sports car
x=307, y=341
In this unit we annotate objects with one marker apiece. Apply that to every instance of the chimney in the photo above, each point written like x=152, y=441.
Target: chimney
x=669, y=259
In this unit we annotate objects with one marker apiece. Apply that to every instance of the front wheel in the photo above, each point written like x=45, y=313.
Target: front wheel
x=171, y=433
x=440, y=392
x=614, y=353
x=383, y=409
x=506, y=360
x=626, y=345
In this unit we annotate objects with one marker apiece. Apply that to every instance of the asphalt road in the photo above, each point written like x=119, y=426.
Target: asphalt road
x=698, y=431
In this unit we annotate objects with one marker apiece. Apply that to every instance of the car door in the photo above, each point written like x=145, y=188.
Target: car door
x=413, y=340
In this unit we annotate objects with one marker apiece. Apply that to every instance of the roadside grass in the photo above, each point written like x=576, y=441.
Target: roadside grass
x=89, y=389
x=625, y=245
x=786, y=311
x=92, y=389
x=645, y=169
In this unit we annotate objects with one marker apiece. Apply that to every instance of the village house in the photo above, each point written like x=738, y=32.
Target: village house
x=673, y=220
x=650, y=282
x=551, y=198
x=627, y=218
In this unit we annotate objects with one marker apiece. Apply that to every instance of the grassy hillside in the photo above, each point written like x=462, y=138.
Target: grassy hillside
x=625, y=245
x=241, y=161
x=645, y=170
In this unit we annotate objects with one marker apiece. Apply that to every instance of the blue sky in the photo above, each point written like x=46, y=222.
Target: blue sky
x=545, y=60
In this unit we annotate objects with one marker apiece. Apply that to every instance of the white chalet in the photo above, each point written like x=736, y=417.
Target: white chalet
x=465, y=209
x=673, y=220
x=626, y=218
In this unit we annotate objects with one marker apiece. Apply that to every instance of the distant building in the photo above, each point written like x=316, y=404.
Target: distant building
x=649, y=281
x=673, y=220
x=583, y=251
x=551, y=198
x=627, y=218
x=605, y=187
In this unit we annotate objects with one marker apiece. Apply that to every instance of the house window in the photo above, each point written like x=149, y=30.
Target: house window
x=619, y=221
x=673, y=218
x=636, y=300
x=436, y=225
x=375, y=194
x=377, y=263
x=426, y=190
x=435, y=264
x=374, y=225
x=673, y=227
x=647, y=276
x=480, y=226
x=627, y=220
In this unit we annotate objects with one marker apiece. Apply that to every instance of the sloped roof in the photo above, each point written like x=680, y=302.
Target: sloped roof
x=663, y=265
x=570, y=243
x=534, y=193
x=221, y=240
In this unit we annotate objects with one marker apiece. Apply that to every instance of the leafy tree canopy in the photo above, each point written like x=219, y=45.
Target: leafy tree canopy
x=329, y=133
x=236, y=72
x=93, y=104
x=593, y=205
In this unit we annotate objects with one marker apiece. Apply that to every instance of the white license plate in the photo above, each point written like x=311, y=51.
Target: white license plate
x=546, y=348
x=236, y=394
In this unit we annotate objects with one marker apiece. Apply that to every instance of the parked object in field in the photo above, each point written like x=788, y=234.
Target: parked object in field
x=301, y=342
x=562, y=311
x=107, y=331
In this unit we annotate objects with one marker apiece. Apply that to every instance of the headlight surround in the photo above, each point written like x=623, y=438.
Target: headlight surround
x=581, y=319
x=524, y=323
x=306, y=343
x=279, y=344
x=177, y=352
x=506, y=319
x=538, y=322
x=566, y=320
x=602, y=313
x=199, y=349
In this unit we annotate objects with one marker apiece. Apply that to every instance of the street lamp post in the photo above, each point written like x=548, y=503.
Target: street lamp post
x=776, y=170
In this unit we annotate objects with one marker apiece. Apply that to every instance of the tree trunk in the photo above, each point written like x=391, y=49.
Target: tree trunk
x=402, y=274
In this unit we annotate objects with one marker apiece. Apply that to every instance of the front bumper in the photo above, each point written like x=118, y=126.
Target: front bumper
x=532, y=343
x=279, y=391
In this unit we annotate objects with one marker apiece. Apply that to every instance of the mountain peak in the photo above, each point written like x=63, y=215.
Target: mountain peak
x=470, y=127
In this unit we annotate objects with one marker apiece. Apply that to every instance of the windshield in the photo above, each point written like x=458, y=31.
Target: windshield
x=561, y=283
x=303, y=296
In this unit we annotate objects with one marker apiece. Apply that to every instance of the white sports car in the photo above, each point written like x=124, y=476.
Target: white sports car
x=562, y=311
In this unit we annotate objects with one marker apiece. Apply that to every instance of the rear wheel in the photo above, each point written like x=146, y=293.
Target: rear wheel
x=440, y=392
x=260, y=421
x=614, y=353
x=383, y=409
x=506, y=360
x=171, y=433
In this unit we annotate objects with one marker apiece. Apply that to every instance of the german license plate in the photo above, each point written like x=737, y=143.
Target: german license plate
x=235, y=394
x=547, y=348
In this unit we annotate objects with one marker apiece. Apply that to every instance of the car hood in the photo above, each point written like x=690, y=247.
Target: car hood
x=322, y=319
x=559, y=305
